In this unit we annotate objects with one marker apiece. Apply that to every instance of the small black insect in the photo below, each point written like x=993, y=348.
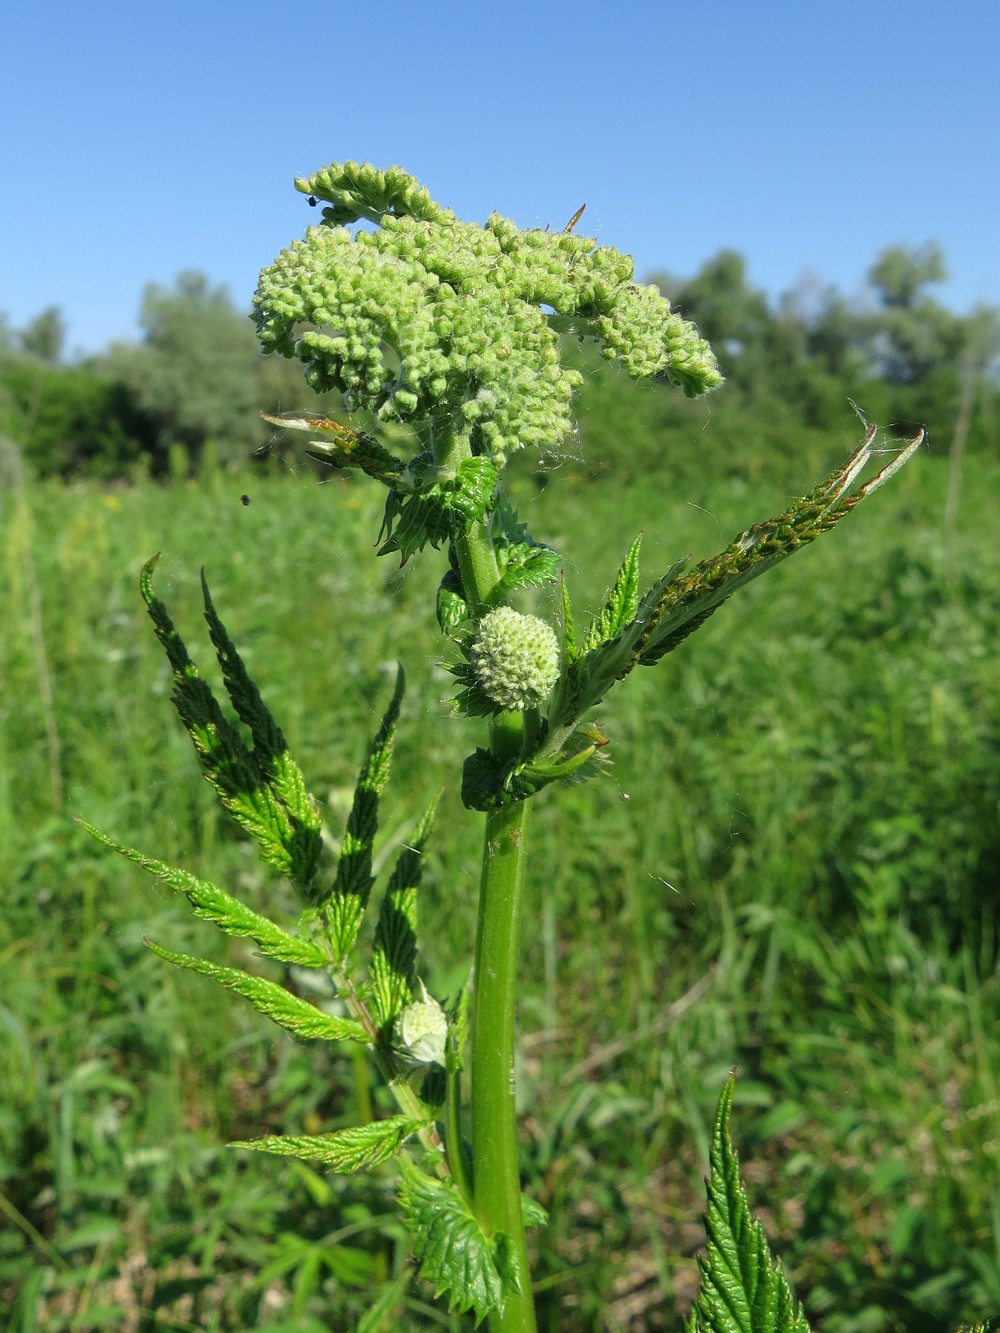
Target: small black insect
x=244, y=500
x=313, y=201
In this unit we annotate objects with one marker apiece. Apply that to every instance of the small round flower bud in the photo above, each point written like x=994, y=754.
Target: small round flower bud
x=422, y=1029
x=515, y=658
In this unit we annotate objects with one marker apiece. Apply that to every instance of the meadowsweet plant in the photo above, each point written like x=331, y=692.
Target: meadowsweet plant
x=445, y=339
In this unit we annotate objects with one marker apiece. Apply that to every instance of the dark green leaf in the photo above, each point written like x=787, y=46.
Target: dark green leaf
x=436, y=510
x=394, y=950
x=345, y=903
x=270, y=751
x=456, y=1257
x=235, y=773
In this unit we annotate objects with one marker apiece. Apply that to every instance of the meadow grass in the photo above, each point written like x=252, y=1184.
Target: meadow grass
x=792, y=868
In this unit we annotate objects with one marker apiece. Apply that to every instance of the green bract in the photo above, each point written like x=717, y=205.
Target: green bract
x=430, y=318
x=515, y=658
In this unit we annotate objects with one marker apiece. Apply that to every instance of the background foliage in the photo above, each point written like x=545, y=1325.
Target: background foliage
x=792, y=867
x=189, y=393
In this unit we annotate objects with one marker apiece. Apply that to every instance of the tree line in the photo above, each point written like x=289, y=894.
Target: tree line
x=190, y=391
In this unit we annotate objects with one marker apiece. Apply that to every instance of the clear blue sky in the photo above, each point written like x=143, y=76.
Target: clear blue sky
x=140, y=140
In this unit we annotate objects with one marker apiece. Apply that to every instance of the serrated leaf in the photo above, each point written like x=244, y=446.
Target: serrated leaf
x=270, y=751
x=270, y=999
x=215, y=904
x=505, y=526
x=521, y=560
x=343, y=1151
x=394, y=950
x=742, y=1289
x=585, y=681
x=674, y=607
x=233, y=771
x=524, y=566
x=688, y=602
x=439, y=509
x=456, y=1256
x=344, y=904
x=621, y=603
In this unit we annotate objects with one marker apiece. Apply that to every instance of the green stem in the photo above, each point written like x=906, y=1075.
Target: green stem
x=496, y=1180
x=496, y=1177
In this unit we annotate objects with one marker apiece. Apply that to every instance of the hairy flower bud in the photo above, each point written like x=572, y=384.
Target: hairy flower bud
x=515, y=658
x=422, y=1029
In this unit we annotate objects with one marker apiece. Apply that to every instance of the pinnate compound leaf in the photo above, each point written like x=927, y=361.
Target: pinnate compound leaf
x=267, y=997
x=742, y=1289
x=345, y=902
x=457, y=1258
x=212, y=903
x=344, y=1151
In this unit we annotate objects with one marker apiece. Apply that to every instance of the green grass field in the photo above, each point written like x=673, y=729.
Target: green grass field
x=793, y=868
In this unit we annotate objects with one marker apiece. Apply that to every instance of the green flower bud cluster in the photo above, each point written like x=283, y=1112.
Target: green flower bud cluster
x=514, y=658
x=431, y=318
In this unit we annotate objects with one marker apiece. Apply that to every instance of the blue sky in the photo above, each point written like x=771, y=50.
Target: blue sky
x=138, y=140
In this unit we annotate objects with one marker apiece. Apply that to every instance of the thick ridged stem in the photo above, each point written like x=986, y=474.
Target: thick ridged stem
x=496, y=1176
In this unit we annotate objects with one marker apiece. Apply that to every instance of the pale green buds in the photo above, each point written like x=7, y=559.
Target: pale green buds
x=422, y=1030
x=514, y=658
x=428, y=318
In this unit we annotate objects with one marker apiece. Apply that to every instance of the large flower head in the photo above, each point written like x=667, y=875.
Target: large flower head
x=427, y=318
